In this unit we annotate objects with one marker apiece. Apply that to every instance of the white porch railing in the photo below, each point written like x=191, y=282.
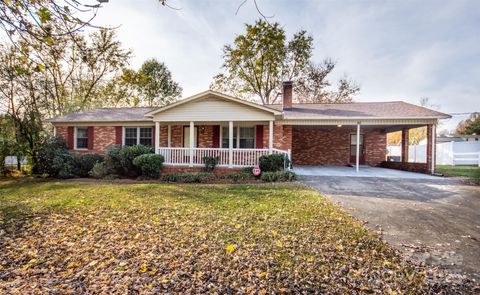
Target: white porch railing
x=240, y=157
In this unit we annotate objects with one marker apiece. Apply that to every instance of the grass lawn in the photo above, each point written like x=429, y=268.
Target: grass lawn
x=75, y=237
x=466, y=171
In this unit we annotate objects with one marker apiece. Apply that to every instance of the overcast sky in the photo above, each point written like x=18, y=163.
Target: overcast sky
x=395, y=50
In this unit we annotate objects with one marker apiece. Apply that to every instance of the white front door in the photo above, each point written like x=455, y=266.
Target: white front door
x=186, y=136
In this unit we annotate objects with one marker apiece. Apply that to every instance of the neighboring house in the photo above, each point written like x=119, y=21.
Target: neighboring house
x=239, y=132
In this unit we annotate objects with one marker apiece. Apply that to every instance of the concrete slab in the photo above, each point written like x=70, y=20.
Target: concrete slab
x=435, y=221
x=365, y=171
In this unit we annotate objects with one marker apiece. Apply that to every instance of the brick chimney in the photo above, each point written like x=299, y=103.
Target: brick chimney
x=287, y=94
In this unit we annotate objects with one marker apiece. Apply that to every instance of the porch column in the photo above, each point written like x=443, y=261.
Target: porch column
x=192, y=139
x=230, y=144
x=169, y=136
x=157, y=137
x=404, y=145
x=270, y=137
x=357, y=160
x=431, y=148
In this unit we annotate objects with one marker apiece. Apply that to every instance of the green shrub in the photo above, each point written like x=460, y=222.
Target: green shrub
x=271, y=163
x=119, y=159
x=127, y=154
x=99, y=170
x=240, y=176
x=84, y=163
x=54, y=159
x=188, y=177
x=210, y=163
x=278, y=176
x=150, y=164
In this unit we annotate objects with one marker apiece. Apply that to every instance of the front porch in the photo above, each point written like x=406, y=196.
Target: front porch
x=236, y=144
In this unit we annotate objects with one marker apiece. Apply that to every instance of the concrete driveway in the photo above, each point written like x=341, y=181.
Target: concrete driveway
x=432, y=220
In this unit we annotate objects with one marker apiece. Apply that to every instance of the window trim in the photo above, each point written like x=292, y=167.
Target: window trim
x=236, y=129
x=75, y=139
x=138, y=133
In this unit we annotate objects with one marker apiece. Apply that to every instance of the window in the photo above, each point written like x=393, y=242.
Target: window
x=243, y=137
x=146, y=136
x=138, y=135
x=225, y=137
x=130, y=136
x=82, y=138
x=247, y=137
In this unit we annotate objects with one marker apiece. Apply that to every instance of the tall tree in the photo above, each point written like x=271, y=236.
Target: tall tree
x=469, y=126
x=156, y=84
x=259, y=61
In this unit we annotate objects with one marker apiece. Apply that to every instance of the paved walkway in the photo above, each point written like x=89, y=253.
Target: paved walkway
x=365, y=171
x=433, y=220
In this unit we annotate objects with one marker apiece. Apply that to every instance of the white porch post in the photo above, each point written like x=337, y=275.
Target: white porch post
x=434, y=147
x=169, y=139
x=157, y=137
x=357, y=166
x=192, y=135
x=230, y=144
x=270, y=137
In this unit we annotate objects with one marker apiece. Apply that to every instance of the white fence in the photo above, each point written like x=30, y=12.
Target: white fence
x=240, y=157
x=448, y=153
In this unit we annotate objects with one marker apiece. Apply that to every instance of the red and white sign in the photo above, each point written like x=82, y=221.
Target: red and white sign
x=256, y=171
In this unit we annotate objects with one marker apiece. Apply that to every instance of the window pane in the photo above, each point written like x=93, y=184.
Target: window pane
x=225, y=137
x=82, y=143
x=247, y=143
x=130, y=133
x=146, y=132
x=247, y=137
x=82, y=132
x=82, y=138
x=130, y=141
x=146, y=141
x=146, y=136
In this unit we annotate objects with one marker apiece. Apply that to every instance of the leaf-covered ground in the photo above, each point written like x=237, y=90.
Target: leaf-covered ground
x=72, y=237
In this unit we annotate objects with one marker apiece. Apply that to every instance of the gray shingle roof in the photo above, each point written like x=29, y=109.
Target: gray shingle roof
x=306, y=111
x=107, y=115
x=367, y=110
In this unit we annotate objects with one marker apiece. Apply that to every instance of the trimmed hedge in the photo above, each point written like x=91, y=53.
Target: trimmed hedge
x=278, y=176
x=84, y=163
x=189, y=177
x=99, y=170
x=151, y=165
x=120, y=159
x=272, y=163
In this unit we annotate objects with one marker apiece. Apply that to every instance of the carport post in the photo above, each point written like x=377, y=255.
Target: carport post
x=357, y=154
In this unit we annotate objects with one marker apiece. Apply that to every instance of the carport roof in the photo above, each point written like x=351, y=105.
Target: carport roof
x=367, y=110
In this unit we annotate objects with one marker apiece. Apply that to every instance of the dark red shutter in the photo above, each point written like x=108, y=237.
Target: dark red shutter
x=90, y=137
x=70, y=139
x=153, y=135
x=259, y=140
x=118, y=135
x=216, y=136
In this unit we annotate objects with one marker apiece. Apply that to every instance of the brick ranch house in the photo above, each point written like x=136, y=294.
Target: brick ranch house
x=239, y=132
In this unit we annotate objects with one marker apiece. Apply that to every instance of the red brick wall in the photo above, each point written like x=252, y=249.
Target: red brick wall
x=104, y=136
x=406, y=166
x=375, y=142
x=331, y=146
x=282, y=137
x=61, y=131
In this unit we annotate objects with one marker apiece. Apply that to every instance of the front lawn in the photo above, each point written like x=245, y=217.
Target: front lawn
x=77, y=237
x=465, y=171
